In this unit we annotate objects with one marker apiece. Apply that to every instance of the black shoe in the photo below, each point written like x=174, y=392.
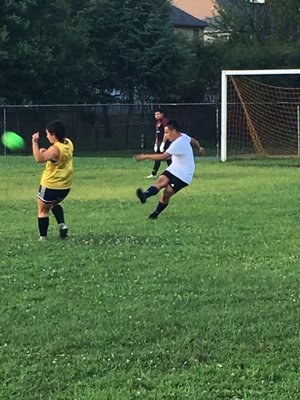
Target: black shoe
x=141, y=195
x=153, y=216
x=63, y=232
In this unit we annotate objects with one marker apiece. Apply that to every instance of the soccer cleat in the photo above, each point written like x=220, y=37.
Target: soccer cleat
x=153, y=216
x=42, y=238
x=63, y=231
x=141, y=195
x=151, y=176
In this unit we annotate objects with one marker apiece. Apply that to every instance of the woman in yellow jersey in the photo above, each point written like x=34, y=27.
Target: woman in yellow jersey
x=57, y=177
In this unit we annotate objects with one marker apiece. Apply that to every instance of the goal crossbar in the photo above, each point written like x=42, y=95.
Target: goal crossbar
x=224, y=86
x=261, y=72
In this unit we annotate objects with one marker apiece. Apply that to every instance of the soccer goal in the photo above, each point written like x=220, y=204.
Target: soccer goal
x=260, y=113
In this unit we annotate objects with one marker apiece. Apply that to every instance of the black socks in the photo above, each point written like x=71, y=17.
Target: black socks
x=43, y=226
x=58, y=213
x=160, y=207
x=152, y=191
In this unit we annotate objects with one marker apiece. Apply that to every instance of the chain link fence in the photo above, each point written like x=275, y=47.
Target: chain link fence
x=112, y=127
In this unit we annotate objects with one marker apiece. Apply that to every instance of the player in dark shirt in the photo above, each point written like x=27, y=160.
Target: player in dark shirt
x=161, y=143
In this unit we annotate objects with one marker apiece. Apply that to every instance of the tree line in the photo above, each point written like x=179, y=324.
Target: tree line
x=103, y=51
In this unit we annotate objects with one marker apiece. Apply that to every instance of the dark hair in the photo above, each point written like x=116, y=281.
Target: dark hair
x=159, y=109
x=57, y=128
x=173, y=125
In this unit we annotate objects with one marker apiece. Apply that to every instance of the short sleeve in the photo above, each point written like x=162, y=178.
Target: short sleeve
x=174, y=149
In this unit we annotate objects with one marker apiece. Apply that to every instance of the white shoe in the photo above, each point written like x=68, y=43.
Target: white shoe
x=151, y=176
x=42, y=238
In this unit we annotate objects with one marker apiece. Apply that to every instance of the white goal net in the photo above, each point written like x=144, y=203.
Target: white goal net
x=260, y=113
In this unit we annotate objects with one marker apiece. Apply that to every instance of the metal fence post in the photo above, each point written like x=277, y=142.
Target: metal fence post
x=298, y=129
x=218, y=130
x=4, y=128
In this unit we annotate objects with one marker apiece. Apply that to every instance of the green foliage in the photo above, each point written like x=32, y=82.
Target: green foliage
x=251, y=36
x=201, y=304
x=243, y=21
x=203, y=72
x=137, y=48
x=285, y=19
x=71, y=51
x=246, y=21
x=44, y=51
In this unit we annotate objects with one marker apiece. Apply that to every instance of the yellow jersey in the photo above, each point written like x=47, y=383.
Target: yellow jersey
x=59, y=174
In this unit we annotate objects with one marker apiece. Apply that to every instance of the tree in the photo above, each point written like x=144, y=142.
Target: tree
x=90, y=50
x=249, y=19
x=43, y=48
x=285, y=19
x=243, y=20
x=12, y=46
x=252, y=36
x=137, y=49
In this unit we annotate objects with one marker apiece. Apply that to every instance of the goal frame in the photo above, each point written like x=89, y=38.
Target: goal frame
x=248, y=72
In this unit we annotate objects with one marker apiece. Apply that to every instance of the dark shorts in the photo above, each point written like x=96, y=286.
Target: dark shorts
x=52, y=195
x=175, y=183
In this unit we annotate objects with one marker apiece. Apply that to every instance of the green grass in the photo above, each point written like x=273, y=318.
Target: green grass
x=200, y=304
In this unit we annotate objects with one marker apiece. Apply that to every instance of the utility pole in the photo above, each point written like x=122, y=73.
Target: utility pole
x=253, y=2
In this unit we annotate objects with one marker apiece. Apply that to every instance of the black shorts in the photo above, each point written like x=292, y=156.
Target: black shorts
x=175, y=183
x=52, y=195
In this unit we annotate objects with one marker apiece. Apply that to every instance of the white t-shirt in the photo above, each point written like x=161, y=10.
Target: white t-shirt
x=183, y=165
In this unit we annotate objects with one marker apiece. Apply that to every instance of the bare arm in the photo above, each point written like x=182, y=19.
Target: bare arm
x=154, y=157
x=44, y=155
x=196, y=145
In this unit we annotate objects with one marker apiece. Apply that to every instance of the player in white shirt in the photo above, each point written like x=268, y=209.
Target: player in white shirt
x=179, y=174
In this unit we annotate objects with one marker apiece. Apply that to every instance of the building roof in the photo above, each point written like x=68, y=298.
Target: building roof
x=201, y=9
x=180, y=18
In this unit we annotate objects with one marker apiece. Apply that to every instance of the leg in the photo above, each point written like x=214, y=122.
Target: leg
x=58, y=213
x=156, y=168
x=43, y=218
x=164, y=202
x=167, y=194
x=162, y=182
x=174, y=185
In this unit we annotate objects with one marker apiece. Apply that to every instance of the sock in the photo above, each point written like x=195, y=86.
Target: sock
x=43, y=226
x=155, y=168
x=160, y=207
x=58, y=213
x=152, y=191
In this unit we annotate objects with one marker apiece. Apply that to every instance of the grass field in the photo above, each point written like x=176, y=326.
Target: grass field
x=200, y=304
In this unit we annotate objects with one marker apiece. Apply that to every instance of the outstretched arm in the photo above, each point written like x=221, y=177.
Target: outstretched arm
x=42, y=155
x=154, y=157
x=196, y=145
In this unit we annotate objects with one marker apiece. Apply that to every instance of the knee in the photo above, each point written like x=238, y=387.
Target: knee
x=43, y=210
x=161, y=183
x=166, y=196
x=43, y=213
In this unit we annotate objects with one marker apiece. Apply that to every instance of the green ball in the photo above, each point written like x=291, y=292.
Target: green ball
x=12, y=141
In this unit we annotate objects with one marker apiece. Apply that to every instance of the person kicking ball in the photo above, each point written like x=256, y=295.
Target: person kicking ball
x=179, y=174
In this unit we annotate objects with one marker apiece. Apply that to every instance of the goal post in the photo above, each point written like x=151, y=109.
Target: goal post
x=259, y=118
